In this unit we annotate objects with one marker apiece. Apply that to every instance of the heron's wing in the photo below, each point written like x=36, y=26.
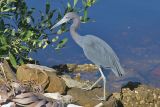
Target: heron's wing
x=97, y=50
x=100, y=53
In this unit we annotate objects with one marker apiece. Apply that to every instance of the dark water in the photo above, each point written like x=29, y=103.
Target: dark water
x=130, y=27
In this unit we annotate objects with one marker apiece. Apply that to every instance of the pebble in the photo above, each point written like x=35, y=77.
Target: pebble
x=117, y=95
x=138, y=97
x=73, y=105
x=154, y=96
x=99, y=105
x=155, y=105
x=151, y=104
x=136, y=92
x=142, y=102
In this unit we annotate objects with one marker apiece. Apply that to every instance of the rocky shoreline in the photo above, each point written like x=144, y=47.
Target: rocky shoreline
x=40, y=80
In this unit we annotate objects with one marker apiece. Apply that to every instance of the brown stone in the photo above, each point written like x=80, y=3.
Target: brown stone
x=89, y=99
x=5, y=68
x=41, y=75
x=140, y=95
x=76, y=68
x=85, y=67
x=56, y=84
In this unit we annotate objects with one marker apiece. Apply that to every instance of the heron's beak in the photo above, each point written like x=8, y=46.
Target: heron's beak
x=63, y=20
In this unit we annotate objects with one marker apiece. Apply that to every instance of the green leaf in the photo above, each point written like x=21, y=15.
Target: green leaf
x=4, y=48
x=8, y=16
x=40, y=43
x=45, y=45
x=6, y=30
x=24, y=47
x=31, y=11
x=21, y=61
x=59, y=16
x=34, y=42
x=85, y=16
x=11, y=0
x=61, y=43
x=28, y=35
x=15, y=49
x=47, y=7
x=12, y=60
x=28, y=19
x=42, y=15
x=59, y=31
x=55, y=39
x=13, y=32
x=32, y=18
x=90, y=2
x=68, y=5
x=75, y=2
x=84, y=3
x=29, y=29
x=50, y=15
x=8, y=9
x=2, y=24
x=3, y=40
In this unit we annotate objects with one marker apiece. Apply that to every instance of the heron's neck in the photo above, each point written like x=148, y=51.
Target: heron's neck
x=77, y=38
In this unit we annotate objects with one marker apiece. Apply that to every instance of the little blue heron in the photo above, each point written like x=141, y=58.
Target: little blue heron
x=95, y=49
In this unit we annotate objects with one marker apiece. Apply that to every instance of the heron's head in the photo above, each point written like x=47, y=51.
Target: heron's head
x=66, y=18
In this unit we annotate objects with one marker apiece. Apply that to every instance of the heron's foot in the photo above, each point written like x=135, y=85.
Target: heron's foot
x=100, y=98
x=87, y=88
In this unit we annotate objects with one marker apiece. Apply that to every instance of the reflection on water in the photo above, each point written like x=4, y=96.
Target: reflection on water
x=131, y=28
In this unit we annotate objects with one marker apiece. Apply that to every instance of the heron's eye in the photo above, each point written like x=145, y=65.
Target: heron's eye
x=67, y=17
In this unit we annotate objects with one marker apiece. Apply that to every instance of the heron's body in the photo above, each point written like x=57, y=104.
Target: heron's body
x=94, y=46
x=95, y=49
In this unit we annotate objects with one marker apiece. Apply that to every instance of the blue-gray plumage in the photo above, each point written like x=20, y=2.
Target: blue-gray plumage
x=95, y=49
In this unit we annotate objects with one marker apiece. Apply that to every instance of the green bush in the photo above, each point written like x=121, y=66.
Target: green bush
x=22, y=33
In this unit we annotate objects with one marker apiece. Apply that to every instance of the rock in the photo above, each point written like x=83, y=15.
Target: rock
x=9, y=74
x=3, y=97
x=10, y=104
x=99, y=105
x=141, y=96
x=86, y=67
x=132, y=95
x=75, y=83
x=56, y=84
x=83, y=97
x=76, y=68
x=117, y=96
x=42, y=68
x=71, y=67
x=73, y=105
x=88, y=98
x=63, y=98
x=42, y=76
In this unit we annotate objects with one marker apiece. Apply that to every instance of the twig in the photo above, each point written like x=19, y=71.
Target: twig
x=3, y=71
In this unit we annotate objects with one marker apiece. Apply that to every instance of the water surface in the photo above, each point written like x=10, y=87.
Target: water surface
x=130, y=27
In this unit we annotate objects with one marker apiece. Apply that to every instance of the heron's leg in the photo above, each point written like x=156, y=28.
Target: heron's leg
x=104, y=85
x=90, y=87
x=96, y=82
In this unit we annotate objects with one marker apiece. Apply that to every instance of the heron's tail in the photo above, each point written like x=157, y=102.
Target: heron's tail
x=117, y=68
